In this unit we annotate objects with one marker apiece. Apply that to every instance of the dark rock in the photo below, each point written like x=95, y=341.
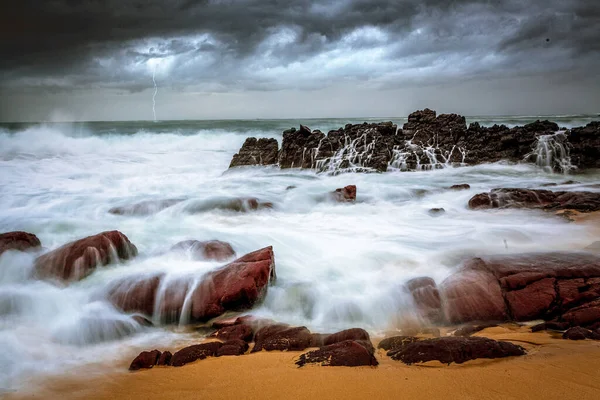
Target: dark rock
x=455, y=349
x=394, y=343
x=207, y=250
x=551, y=325
x=536, y=199
x=585, y=145
x=579, y=333
x=462, y=186
x=195, y=352
x=356, y=334
x=282, y=337
x=468, y=330
x=76, y=260
x=165, y=358
x=233, y=347
x=345, y=194
x=18, y=240
x=145, y=207
x=234, y=332
x=304, y=130
x=146, y=359
x=348, y=353
x=436, y=212
x=236, y=286
x=256, y=152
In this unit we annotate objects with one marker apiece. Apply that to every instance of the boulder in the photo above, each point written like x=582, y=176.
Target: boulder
x=236, y=286
x=207, y=250
x=457, y=350
x=345, y=194
x=282, y=337
x=18, y=240
x=76, y=260
x=348, y=353
x=355, y=334
x=195, y=352
x=256, y=152
x=234, y=332
x=536, y=199
x=165, y=358
x=579, y=333
x=146, y=359
x=585, y=145
x=145, y=207
x=233, y=347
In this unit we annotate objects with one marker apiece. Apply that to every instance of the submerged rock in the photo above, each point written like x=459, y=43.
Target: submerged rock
x=256, y=152
x=345, y=194
x=536, y=199
x=76, y=260
x=145, y=207
x=436, y=212
x=457, y=350
x=348, y=353
x=236, y=286
x=18, y=240
x=461, y=186
x=237, y=204
x=206, y=250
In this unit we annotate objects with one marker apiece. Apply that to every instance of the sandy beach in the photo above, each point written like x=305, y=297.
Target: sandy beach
x=553, y=369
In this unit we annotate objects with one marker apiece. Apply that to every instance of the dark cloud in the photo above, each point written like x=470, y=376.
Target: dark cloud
x=224, y=45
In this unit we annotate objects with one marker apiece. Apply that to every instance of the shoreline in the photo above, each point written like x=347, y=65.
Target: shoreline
x=554, y=368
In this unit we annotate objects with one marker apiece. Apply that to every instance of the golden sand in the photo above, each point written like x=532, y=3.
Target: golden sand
x=553, y=369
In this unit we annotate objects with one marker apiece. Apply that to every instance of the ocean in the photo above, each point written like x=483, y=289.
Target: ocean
x=338, y=265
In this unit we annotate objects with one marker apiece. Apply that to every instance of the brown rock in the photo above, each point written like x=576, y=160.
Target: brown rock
x=579, y=333
x=196, y=352
x=455, y=349
x=233, y=348
x=348, y=353
x=146, y=359
x=550, y=325
x=537, y=199
x=18, y=240
x=207, y=250
x=345, y=194
x=76, y=260
x=165, y=358
x=426, y=297
x=255, y=151
x=234, y=332
x=585, y=314
x=396, y=342
x=471, y=329
x=462, y=186
x=282, y=337
x=532, y=301
x=135, y=294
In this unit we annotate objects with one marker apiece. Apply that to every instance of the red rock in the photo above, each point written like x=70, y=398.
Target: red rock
x=196, y=352
x=165, y=358
x=76, y=260
x=348, y=353
x=18, y=240
x=233, y=348
x=396, y=342
x=146, y=359
x=532, y=301
x=356, y=334
x=283, y=338
x=239, y=332
x=345, y=194
x=455, y=349
x=585, y=314
x=579, y=333
x=236, y=286
x=208, y=250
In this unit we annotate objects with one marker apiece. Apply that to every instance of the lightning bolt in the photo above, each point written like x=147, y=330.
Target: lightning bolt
x=155, y=92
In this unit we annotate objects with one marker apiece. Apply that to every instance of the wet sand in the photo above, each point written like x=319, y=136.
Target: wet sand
x=553, y=369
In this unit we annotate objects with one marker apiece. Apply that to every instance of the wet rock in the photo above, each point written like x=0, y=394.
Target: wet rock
x=283, y=338
x=468, y=330
x=426, y=296
x=165, y=358
x=206, y=250
x=195, y=352
x=457, y=350
x=536, y=199
x=238, y=204
x=345, y=194
x=256, y=152
x=436, y=212
x=18, y=240
x=585, y=145
x=579, y=333
x=76, y=260
x=146, y=359
x=233, y=347
x=148, y=207
x=551, y=325
x=394, y=343
x=234, y=332
x=348, y=353
x=236, y=286
x=461, y=186
x=356, y=334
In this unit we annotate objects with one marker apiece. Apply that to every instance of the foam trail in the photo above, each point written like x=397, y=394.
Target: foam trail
x=155, y=92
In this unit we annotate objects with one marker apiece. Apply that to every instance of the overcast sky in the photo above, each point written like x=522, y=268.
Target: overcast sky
x=94, y=59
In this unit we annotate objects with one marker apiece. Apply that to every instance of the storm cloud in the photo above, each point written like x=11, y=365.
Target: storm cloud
x=62, y=48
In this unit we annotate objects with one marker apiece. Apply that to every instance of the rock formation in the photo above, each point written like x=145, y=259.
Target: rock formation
x=20, y=241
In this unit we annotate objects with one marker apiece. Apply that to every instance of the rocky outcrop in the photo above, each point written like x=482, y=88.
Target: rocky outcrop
x=145, y=207
x=344, y=195
x=550, y=286
x=234, y=287
x=256, y=152
x=207, y=250
x=536, y=199
x=429, y=141
x=18, y=240
x=457, y=350
x=76, y=260
x=348, y=353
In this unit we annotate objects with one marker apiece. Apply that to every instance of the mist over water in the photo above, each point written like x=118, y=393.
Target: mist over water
x=338, y=265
